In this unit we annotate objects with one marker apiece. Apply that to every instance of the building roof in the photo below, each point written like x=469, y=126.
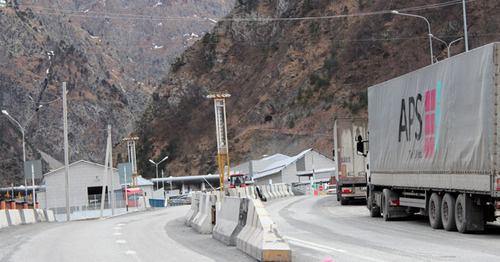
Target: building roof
x=77, y=163
x=141, y=181
x=281, y=163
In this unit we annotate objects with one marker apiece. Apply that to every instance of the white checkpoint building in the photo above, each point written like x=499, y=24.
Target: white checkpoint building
x=85, y=187
x=278, y=168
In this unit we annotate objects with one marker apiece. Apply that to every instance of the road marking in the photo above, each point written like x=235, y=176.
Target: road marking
x=319, y=247
x=313, y=245
x=117, y=234
x=118, y=228
x=121, y=241
x=130, y=252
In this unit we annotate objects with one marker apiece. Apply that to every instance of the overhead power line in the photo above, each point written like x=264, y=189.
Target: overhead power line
x=124, y=16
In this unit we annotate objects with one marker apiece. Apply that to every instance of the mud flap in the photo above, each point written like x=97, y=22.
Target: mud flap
x=474, y=215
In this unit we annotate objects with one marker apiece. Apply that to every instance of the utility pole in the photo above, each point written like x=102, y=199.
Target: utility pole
x=66, y=148
x=112, y=193
x=465, y=27
x=105, y=179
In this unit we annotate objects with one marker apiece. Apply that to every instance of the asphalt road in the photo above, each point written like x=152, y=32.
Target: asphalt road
x=157, y=235
x=317, y=228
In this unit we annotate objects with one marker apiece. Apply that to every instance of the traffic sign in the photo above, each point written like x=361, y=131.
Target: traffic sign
x=125, y=170
x=33, y=166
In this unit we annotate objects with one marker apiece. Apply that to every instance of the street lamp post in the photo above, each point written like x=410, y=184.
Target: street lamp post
x=428, y=26
x=452, y=42
x=156, y=168
x=448, y=45
x=5, y=112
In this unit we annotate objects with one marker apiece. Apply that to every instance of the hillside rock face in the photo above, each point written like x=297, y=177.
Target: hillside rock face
x=148, y=34
x=288, y=77
x=42, y=45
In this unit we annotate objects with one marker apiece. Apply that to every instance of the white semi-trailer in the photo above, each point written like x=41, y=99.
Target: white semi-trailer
x=350, y=171
x=434, y=137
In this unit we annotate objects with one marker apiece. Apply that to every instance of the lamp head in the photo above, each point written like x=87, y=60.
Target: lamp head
x=153, y=162
x=395, y=12
x=5, y=112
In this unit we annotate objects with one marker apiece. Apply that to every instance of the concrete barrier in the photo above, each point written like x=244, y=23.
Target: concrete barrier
x=290, y=191
x=228, y=218
x=267, y=189
x=242, y=192
x=264, y=192
x=251, y=192
x=49, y=215
x=287, y=192
x=269, y=192
x=202, y=223
x=195, y=200
x=232, y=192
x=272, y=192
x=4, y=222
x=260, y=238
x=14, y=217
x=284, y=191
x=280, y=191
x=40, y=216
x=27, y=216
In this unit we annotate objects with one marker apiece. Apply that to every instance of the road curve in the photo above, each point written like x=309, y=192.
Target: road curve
x=318, y=228
x=157, y=235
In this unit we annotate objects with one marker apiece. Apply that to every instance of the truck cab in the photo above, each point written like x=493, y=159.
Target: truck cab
x=237, y=180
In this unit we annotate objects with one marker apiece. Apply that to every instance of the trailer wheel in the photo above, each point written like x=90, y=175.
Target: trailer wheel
x=460, y=214
x=344, y=201
x=385, y=204
x=448, y=212
x=435, y=211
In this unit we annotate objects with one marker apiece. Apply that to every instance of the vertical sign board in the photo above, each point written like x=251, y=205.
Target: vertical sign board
x=125, y=170
x=34, y=165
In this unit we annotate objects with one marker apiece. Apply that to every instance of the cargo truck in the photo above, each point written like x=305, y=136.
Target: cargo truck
x=434, y=138
x=350, y=171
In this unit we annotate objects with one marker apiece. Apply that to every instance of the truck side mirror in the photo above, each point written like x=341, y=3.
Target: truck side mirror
x=360, y=148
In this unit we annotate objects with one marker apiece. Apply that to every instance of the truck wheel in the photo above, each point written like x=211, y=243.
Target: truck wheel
x=460, y=213
x=385, y=204
x=435, y=211
x=448, y=212
x=344, y=201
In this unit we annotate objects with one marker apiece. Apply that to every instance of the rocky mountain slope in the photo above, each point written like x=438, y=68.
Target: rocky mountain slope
x=289, y=67
x=148, y=34
x=41, y=48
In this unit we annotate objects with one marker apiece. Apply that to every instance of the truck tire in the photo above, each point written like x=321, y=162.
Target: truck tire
x=344, y=201
x=435, y=211
x=460, y=214
x=448, y=212
x=385, y=204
